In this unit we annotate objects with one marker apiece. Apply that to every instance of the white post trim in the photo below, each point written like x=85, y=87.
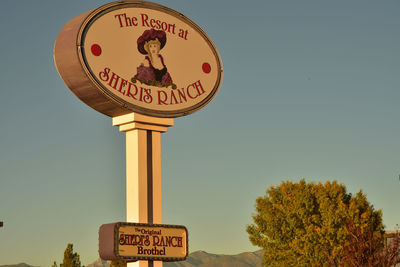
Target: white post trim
x=143, y=169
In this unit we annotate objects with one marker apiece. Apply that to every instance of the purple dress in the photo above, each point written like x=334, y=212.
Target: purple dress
x=152, y=76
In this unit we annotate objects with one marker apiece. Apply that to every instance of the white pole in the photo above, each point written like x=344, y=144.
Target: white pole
x=143, y=170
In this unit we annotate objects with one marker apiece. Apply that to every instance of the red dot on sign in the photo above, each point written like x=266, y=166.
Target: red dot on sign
x=206, y=68
x=96, y=50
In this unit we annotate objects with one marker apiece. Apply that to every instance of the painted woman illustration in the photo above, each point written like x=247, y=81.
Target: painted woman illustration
x=153, y=71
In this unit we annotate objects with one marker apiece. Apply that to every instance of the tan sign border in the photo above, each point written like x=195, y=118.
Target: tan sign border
x=110, y=247
x=84, y=84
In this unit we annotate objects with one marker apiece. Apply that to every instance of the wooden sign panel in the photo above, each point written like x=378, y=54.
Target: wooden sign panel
x=136, y=241
x=134, y=56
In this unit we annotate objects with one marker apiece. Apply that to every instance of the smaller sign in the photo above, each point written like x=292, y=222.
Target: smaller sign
x=138, y=241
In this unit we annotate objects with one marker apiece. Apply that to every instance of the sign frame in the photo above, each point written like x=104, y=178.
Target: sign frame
x=109, y=242
x=73, y=67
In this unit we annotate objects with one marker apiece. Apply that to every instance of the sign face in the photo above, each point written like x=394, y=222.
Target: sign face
x=141, y=57
x=135, y=241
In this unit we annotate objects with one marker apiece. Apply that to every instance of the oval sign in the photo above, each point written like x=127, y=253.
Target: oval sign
x=138, y=57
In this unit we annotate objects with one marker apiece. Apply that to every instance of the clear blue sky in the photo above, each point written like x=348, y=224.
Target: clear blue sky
x=311, y=90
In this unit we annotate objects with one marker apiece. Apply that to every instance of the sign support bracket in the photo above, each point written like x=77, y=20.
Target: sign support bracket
x=143, y=170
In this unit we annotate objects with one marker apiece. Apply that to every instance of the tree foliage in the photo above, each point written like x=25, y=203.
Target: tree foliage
x=364, y=248
x=303, y=224
x=71, y=259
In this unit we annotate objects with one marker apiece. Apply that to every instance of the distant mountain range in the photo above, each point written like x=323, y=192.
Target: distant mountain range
x=196, y=259
x=204, y=259
x=17, y=265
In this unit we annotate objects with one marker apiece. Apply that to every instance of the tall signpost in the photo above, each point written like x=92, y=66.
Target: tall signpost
x=142, y=64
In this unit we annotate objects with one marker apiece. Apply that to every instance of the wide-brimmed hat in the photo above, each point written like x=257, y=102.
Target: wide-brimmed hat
x=151, y=35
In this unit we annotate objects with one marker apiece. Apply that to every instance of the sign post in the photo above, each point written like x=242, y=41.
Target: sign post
x=143, y=169
x=142, y=64
x=143, y=165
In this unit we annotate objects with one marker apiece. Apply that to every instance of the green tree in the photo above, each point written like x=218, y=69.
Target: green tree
x=71, y=259
x=303, y=224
